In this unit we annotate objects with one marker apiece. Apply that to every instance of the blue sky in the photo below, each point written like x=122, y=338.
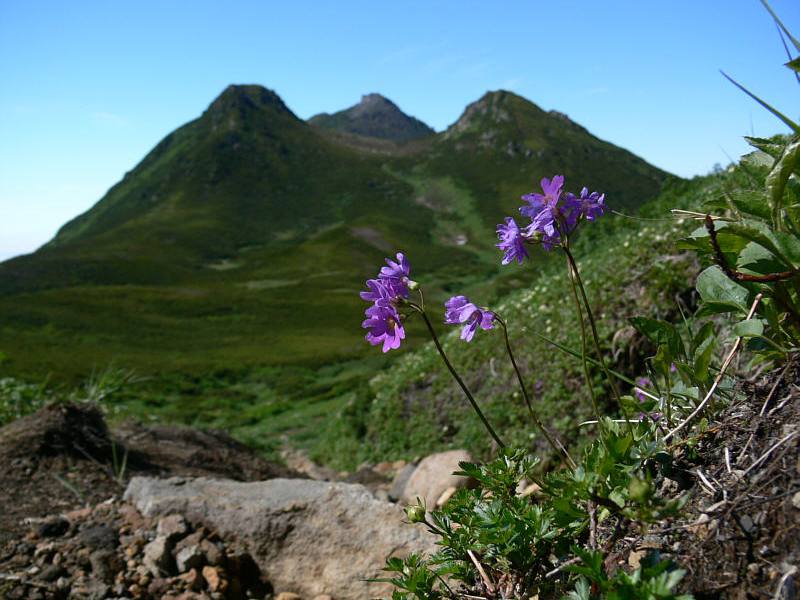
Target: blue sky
x=87, y=88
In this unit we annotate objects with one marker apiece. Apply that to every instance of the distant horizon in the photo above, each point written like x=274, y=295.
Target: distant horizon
x=437, y=131
x=84, y=98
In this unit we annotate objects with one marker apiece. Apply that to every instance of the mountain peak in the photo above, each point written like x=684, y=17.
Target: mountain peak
x=374, y=116
x=240, y=97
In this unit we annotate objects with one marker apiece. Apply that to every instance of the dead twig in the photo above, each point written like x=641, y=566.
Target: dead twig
x=484, y=576
x=774, y=388
x=562, y=566
x=766, y=454
x=592, y=510
x=782, y=582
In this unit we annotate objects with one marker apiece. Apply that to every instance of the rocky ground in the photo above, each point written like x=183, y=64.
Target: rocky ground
x=202, y=517
x=160, y=512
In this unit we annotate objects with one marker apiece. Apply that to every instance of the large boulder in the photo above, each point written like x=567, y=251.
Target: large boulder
x=310, y=537
x=434, y=476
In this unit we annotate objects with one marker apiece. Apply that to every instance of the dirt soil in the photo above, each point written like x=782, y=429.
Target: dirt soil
x=738, y=537
x=64, y=457
x=741, y=537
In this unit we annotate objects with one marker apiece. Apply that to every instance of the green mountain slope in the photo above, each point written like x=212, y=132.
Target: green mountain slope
x=243, y=237
x=376, y=117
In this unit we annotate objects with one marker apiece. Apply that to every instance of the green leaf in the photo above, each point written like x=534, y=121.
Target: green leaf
x=760, y=233
x=794, y=64
x=749, y=328
x=766, y=145
x=708, y=309
x=714, y=286
x=755, y=259
x=779, y=175
x=752, y=204
x=703, y=350
x=794, y=126
x=661, y=333
x=780, y=24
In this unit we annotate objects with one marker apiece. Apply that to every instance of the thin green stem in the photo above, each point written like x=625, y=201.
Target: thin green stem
x=595, y=336
x=456, y=376
x=584, y=354
x=556, y=445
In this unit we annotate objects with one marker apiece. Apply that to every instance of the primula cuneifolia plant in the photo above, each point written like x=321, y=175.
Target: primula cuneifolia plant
x=493, y=540
x=567, y=541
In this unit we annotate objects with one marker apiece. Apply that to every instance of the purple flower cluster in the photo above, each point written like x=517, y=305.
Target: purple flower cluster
x=460, y=311
x=384, y=323
x=553, y=214
x=639, y=388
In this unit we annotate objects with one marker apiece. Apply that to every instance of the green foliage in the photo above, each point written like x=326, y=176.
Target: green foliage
x=515, y=538
x=654, y=580
x=18, y=398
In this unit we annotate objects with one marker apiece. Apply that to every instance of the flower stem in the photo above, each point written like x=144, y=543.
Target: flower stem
x=595, y=336
x=557, y=446
x=456, y=376
x=584, y=354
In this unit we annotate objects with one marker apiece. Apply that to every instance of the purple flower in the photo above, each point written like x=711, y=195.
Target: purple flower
x=383, y=323
x=460, y=311
x=396, y=275
x=512, y=242
x=552, y=214
x=552, y=192
x=384, y=326
x=638, y=390
x=591, y=205
x=378, y=290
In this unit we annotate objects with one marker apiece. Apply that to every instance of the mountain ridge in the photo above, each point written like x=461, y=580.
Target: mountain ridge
x=243, y=221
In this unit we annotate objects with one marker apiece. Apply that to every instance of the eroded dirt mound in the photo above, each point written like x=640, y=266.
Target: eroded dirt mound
x=65, y=457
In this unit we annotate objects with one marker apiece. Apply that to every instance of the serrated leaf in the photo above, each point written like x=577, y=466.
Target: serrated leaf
x=749, y=328
x=751, y=203
x=765, y=145
x=714, y=286
x=779, y=175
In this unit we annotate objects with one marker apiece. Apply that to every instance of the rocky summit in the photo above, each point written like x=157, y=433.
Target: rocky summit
x=375, y=117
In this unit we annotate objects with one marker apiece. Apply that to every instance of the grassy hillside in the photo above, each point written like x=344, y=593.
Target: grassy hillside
x=241, y=239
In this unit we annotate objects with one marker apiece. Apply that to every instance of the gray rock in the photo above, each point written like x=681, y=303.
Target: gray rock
x=308, y=536
x=99, y=537
x=215, y=556
x=433, y=476
x=172, y=527
x=51, y=573
x=190, y=557
x=157, y=558
x=400, y=480
x=105, y=564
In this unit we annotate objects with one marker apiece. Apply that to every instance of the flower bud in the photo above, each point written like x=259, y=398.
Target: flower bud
x=412, y=285
x=415, y=512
